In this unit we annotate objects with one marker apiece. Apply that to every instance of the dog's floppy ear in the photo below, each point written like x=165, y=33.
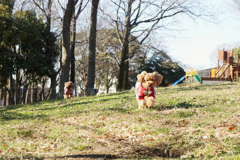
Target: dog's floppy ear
x=65, y=84
x=158, y=78
x=144, y=73
x=140, y=78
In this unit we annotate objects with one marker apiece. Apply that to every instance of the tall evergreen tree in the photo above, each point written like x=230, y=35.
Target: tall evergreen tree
x=170, y=70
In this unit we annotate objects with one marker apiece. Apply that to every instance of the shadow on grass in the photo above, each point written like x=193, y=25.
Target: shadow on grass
x=115, y=94
x=77, y=156
x=103, y=98
x=138, y=151
x=162, y=150
x=78, y=103
x=184, y=105
x=91, y=156
x=179, y=105
x=13, y=115
x=159, y=150
x=7, y=113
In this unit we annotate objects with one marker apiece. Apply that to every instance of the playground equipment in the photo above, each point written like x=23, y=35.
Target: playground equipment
x=213, y=73
x=193, y=73
x=178, y=80
x=228, y=71
x=230, y=65
x=189, y=73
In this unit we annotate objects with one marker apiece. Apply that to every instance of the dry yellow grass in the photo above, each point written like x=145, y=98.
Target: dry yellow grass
x=188, y=121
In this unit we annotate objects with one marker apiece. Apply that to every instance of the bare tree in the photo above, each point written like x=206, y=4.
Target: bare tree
x=104, y=67
x=73, y=37
x=106, y=73
x=46, y=8
x=141, y=17
x=66, y=52
x=109, y=57
x=46, y=11
x=81, y=55
x=92, y=48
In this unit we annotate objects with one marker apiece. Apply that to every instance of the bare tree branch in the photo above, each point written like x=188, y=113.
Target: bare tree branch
x=106, y=54
x=80, y=9
x=117, y=25
x=42, y=9
x=61, y=6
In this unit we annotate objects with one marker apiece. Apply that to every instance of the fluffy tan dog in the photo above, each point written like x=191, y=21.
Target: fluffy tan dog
x=144, y=88
x=68, y=89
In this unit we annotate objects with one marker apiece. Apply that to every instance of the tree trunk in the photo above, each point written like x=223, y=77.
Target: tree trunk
x=42, y=95
x=123, y=80
x=4, y=94
x=1, y=97
x=24, y=96
x=35, y=93
x=123, y=73
x=32, y=88
x=1, y=78
x=49, y=10
x=4, y=102
x=107, y=84
x=72, y=78
x=123, y=76
x=126, y=67
x=28, y=94
x=17, y=87
x=66, y=54
x=53, y=86
x=31, y=93
x=10, y=95
x=1, y=93
x=92, y=49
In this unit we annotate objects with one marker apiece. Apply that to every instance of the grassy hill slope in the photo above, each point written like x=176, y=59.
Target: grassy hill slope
x=193, y=121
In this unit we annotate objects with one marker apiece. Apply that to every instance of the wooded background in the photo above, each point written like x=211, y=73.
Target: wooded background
x=45, y=43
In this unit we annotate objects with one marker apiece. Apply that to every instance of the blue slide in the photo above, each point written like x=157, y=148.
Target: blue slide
x=178, y=81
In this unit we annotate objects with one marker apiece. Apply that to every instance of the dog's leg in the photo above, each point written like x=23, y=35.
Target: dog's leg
x=142, y=104
x=150, y=102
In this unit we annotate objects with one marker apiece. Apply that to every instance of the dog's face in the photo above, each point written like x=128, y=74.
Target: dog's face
x=150, y=79
x=69, y=85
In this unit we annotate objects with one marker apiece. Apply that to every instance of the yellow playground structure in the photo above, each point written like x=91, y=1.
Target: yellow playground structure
x=213, y=73
x=193, y=73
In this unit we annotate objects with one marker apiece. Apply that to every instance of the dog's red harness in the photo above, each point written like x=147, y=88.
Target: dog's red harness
x=140, y=90
x=68, y=91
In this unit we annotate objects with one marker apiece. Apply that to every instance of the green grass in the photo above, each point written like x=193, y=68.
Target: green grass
x=191, y=121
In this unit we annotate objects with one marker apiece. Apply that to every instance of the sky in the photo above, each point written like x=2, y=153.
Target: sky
x=200, y=39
